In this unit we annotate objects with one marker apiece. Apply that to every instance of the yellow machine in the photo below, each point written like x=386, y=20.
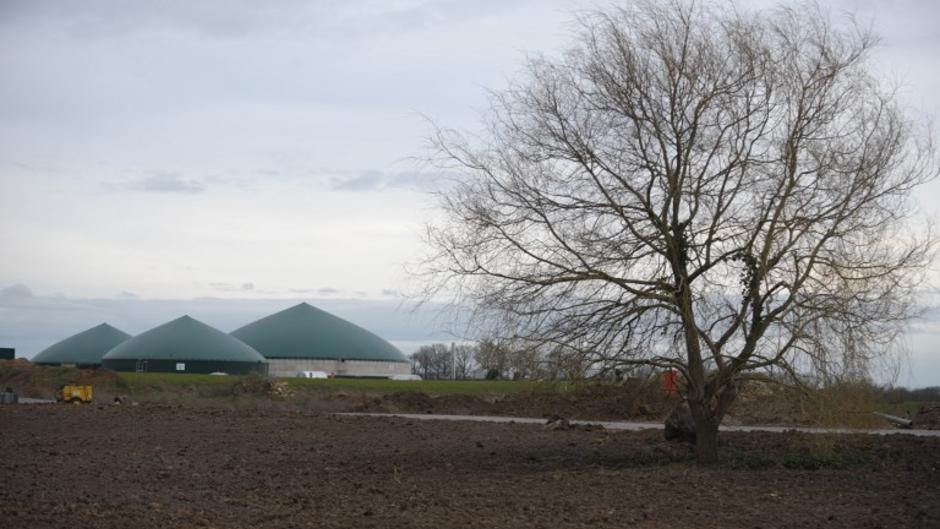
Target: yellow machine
x=74, y=393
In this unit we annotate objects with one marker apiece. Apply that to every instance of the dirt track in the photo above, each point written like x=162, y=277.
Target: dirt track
x=162, y=466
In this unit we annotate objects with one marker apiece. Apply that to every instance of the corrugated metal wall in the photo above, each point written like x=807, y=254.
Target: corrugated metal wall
x=289, y=367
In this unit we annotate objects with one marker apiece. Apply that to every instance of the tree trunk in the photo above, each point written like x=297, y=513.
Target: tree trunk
x=706, y=442
x=708, y=416
x=679, y=425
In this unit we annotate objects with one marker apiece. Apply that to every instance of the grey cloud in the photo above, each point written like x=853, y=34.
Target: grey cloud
x=18, y=290
x=417, y=180
x=323, y=291
x=365, y=181
x=373, y=180
x=233, y=18
x=334, y=179
x=228, y=287
x=126, y=295
x=341, y=180
x=390, y=293
x=166, y=182
x=103, y=18
x=30, y=167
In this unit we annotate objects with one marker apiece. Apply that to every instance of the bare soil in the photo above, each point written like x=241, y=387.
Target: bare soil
x=927, y=418
x=155, y=465
x=639, y=400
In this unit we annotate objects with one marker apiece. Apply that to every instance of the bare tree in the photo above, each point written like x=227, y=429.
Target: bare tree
x=432, y=362
x=463, y=356
x=441, y=361
x=524, y=361
x=493, y=358
x=565, y=363
x=692, y=188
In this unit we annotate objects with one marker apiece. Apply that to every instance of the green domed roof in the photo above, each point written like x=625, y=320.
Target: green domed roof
x=184, y=339
x=304, y=331
x=86, y=347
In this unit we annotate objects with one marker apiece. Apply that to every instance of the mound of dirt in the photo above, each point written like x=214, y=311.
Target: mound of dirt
x=36, y=381
x=634, y=399
x=764, y=403
x=257, y=385
x=927, y=418
x=398, y=402
x=585, y=401
x=556, y=423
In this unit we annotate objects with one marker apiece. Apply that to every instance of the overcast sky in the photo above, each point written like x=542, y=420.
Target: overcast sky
x=156, y=157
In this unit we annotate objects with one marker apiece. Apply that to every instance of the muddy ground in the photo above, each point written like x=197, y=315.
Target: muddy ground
x=169, y=466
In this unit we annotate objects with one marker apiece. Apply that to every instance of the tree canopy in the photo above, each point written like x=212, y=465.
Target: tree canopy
x=697, y=188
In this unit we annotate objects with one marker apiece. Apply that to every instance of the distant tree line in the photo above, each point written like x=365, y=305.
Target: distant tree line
x=513, y=360
x=492, y=359
x=440, y=361
x=895, y=394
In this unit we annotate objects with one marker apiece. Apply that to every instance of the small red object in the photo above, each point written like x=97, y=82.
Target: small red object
x=670, y=382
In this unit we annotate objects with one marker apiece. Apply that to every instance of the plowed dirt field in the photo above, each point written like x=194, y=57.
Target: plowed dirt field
x=175, y=466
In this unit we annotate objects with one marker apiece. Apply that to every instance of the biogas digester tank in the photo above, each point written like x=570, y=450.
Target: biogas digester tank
x=305, y=338
x=84, y=349
x=185, y=345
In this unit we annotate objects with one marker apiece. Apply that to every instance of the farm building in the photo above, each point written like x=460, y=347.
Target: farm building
x=185, y=345
x=305, y=338
x=84, y=349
